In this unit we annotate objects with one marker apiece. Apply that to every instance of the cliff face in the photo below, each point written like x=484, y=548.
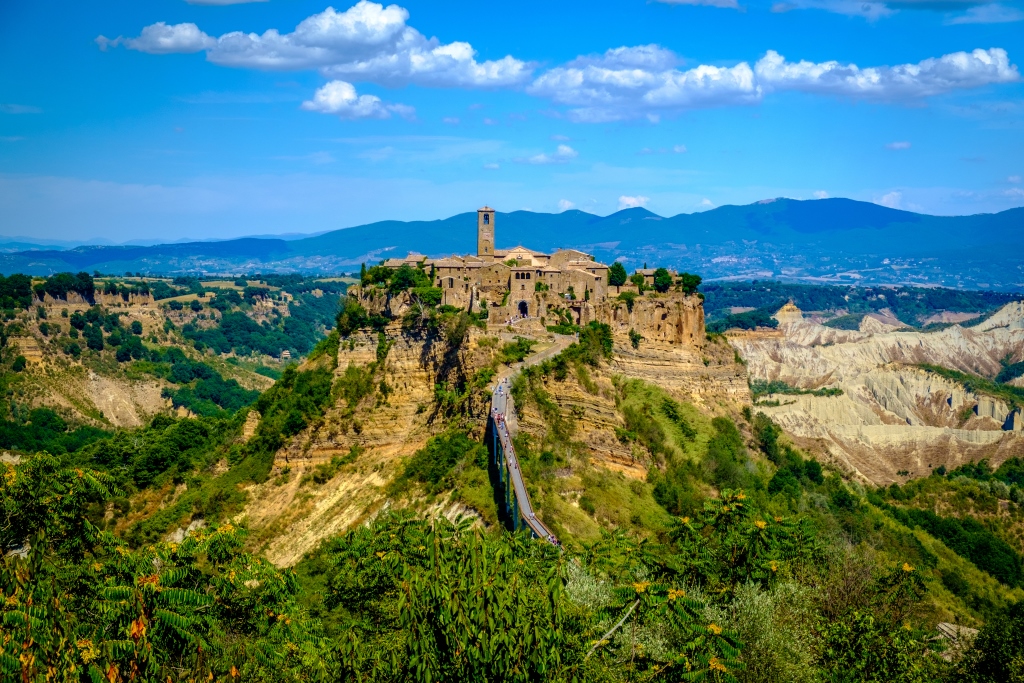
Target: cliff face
x=669, y=319
x=891, y=417
x=290, y=516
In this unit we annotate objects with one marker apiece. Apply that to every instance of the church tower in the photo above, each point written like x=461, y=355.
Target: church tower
x=485, y=233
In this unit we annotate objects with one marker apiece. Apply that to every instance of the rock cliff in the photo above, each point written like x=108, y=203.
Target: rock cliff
x=892, y=417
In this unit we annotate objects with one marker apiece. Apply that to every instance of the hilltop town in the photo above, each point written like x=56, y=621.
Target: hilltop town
x=537, y=291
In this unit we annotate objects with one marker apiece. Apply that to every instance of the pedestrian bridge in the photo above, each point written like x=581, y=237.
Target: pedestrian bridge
x=510, y=474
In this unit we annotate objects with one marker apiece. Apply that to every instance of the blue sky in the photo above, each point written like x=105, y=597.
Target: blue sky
x=169, y=119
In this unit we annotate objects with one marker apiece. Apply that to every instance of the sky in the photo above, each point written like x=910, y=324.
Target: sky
x=196, y=119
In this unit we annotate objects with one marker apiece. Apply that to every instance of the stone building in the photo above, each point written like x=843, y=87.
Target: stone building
x=520, y=282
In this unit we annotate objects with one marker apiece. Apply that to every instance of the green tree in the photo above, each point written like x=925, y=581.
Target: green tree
x=662, y=280
x=617, y=275
x=688, y=283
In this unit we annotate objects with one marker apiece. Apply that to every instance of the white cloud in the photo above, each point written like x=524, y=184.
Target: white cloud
x=679, y=149
x=164, y=39
x=626, y=202
x=560, y=156
x=490, y=122
x=901, y=82
x=451, y=120
x=492, y=167
x=988, y=14
x=221, y=2
x=560, y=138
x=898, y=145
x=11, y=138
x=637, y=82
x=1013, y=179
x=891, y=200
x=726, y=4
x=340, y=98
x=820, y=194
x=565, y=205
x=630, y=82
x=19, y=109
x=367, y=42
x=706, y=204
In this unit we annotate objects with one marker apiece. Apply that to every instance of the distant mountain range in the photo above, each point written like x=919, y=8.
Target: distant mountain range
x=826, y=240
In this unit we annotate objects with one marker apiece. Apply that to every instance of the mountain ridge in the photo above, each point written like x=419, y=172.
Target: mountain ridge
x=770, y=235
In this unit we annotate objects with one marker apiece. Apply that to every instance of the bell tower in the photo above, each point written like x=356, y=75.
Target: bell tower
x=485, y=233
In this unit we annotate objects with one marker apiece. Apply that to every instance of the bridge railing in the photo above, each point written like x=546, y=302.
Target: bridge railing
x=505, y=453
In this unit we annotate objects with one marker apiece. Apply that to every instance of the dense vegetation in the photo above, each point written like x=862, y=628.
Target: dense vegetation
x=739, y=559
x=910, y=304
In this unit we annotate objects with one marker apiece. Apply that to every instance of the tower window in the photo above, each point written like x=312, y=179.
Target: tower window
x=487, y=219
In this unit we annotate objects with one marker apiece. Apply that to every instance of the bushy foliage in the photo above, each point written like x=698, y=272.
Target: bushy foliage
x=969, y=539
x=750, y=320
x=15, y=291
x=60, y=285
x=760, y=387
x=82, y=605
x=432, y=465
x=617, y=275
x=662, y=280
x=44, y=430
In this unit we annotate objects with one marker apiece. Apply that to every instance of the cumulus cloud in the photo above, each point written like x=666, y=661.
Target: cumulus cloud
x=630, y=82
x=679, y=149
x=164, y=39
x=898, y=145
x=561, y=155
x=451, y=120
x=987, y=14
x=1013, y=179
x=645, y=81
x=904, y=81
x=627, y=202
x=565, y=205
x=342, y=100
x=492, y=167
x=366, y=42
x=893, y=200
x=706, y=204
x=820, y=194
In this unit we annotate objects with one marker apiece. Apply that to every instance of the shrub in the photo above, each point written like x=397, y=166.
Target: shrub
x=662, y=280
x=617, y=275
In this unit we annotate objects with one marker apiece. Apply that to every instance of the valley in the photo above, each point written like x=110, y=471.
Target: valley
x=855, y=453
